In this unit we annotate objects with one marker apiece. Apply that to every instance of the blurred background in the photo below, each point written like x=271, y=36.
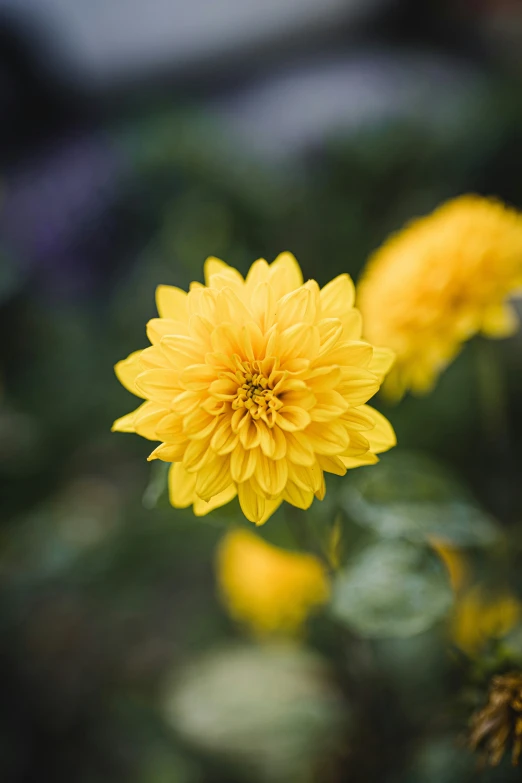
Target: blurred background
x=137, y=139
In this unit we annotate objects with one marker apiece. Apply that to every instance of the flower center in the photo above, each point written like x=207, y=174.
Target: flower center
x=256, y=392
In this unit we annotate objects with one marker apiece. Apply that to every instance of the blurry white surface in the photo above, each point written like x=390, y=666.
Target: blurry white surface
x=294, y=110
x=103, y=40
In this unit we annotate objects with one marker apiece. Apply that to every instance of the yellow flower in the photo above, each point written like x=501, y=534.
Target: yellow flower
x=269, y=589
x=480, y=617
x=438, y=282
x=255, y=387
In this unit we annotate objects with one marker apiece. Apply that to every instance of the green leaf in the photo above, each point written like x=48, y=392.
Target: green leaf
x=408, y=495
x=390, y=589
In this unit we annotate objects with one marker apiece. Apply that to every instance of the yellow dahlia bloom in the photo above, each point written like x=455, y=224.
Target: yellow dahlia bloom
x=269, y=589
x=255, y=387
x=441, y=280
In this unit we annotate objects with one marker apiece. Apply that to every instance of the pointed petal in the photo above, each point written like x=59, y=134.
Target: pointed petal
x=329, y=438
x=258, y=273
x=147, y=419
x=285, y=274
x=158, y=385
x=125, y=423
x=252, y=504
x=214, y=477
x=127, y=371
x=168, y=452
x=337, y=296
x=221, y=499
x=171, y=302
x=331, y=464
x=159, y=327
x=227, y=274
x=242, y=463
x=297, y=496
x=356, y=462
x=182, y=486
x=299, y=449
x=271, y=507
x=271, y=474
x=381, y=437
x=296, y=307
x=381, y=362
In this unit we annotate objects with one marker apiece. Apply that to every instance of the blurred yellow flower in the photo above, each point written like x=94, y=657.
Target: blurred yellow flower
x=478, y=615
x=256, y=387
x=269, y=589
x=441, y=280
x=454, y=561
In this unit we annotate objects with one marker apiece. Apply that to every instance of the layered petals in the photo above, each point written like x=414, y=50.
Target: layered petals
x=437, y=283
x=256, y=387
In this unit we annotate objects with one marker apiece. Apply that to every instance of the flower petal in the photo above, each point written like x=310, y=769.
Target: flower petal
x=296, y=307
x=171, y=302
x=160, y=327
x=128, y=370
x=271, y=507
x=168, y=452
x=271, y=474
x=381, y=362
x=352, y=325
x=357, y=385
x=338, y=296
x=285, y=274
x=242, y=463
x=182, y=486
x=158, y=385
x=214, y=477
x=224, y=439
x=182, y=351
x=381, y=437
x=299, y=448
x=292, y=418
x=201, y=507
x=148, y=418
x=252, y=504
x=332, y=464
x=125, y=423
x=329, y=438
x=228, y=275
x=356, y=462
x=330, y=405
x=307, y=478
x=297, y=496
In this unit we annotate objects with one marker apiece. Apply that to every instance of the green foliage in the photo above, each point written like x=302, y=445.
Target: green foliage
x=392, y=588
x=107, y=594
x=412, y=496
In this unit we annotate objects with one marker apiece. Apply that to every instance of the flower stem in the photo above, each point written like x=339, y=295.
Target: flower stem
x=492, y=396
x=298, y=528
x=493, y=408
x=304, y=534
